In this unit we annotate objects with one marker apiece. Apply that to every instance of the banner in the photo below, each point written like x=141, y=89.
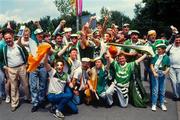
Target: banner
x=148, y=49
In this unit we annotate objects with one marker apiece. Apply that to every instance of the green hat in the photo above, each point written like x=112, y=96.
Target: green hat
x=161, y=43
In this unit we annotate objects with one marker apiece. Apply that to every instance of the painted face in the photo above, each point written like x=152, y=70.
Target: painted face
x=73, y=54
x=177, y=42
x=122, y=60
x=98, y=64
x=59, y=67
x=9, y=39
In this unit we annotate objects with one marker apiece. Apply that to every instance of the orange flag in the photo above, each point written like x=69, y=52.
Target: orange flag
x=34, y=61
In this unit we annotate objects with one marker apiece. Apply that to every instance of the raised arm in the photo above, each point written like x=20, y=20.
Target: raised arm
x=141, y=59
x=64, y=49
x=59, y=27
x=46, y=64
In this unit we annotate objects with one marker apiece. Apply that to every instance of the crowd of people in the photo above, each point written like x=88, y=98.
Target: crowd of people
x=89, y=66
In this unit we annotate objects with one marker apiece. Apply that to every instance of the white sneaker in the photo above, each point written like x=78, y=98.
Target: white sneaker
x=153, y=108
x=58, y=114
x=163, y=107
x=8, y=99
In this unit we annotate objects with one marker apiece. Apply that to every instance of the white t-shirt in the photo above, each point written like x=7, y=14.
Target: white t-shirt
x=174, y=57
x=14, y=57
x=56, y=85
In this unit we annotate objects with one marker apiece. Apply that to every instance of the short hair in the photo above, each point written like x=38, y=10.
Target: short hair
x=27, y=30
x=178, y=36
x=8, y=31
x=73, y=49
x=121, y=54
x=59, y=60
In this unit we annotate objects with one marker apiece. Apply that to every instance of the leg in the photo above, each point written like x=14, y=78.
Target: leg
x=123, y=97
x=161, y=82
x=2, y=92
x=109, y=94
x=13, y=74
x=72, y=106
x=33, y=82
x=154, y=90
x=42, y=84
x=23, y=76
x=178, y=80
x=173, y=78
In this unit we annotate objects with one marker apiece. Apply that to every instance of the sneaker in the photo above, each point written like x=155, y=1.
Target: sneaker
x=8, y=99
x=153, y=108
x=34, y=108
x=13, y=109
x=163, y=107
x=58, y=114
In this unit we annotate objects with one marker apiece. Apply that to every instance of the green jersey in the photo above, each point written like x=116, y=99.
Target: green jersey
x=122, y=73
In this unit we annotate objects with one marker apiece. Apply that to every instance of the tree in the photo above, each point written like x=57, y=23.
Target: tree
x=114, y=17
x=64, y=7
x=157, y=14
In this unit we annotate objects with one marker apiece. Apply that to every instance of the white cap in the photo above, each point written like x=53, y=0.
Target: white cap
x=67, y=30
x=85, y=59
x=38, y=31
x=126, y=24
x=74, y=35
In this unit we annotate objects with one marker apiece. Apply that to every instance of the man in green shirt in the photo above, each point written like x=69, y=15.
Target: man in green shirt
x=122, y=72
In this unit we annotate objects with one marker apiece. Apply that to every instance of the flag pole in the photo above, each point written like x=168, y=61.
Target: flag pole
x=77, y=22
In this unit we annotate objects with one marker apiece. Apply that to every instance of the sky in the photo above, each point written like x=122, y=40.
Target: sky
x=26, y=10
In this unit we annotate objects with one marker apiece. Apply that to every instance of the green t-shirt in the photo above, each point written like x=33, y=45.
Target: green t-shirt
x=164, y=63
x=122, y=73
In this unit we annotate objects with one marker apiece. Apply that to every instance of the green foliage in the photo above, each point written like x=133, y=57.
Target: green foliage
x=64, y=7
x=156, y=14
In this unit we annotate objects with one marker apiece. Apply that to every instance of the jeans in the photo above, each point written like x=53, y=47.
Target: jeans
x=174, y=75
x=2, y=84
x=38, y=85
x=63, y=99
x=158, y=88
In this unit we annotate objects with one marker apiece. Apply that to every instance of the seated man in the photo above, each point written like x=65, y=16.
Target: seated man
x=59, y=94
x=97, y=82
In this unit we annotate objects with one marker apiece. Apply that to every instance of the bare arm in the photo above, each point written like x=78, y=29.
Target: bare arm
x=64, y=49
x=141, y=59
x=46, y=64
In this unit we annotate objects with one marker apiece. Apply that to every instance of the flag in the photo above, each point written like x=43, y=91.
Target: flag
x=34, y=61
x=148, y=49
x=79, y=7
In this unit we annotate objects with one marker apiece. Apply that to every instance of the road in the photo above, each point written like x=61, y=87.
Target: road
x=96, y=113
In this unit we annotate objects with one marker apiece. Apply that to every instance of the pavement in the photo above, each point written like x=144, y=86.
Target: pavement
x=98, y=113
x=178, y=109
